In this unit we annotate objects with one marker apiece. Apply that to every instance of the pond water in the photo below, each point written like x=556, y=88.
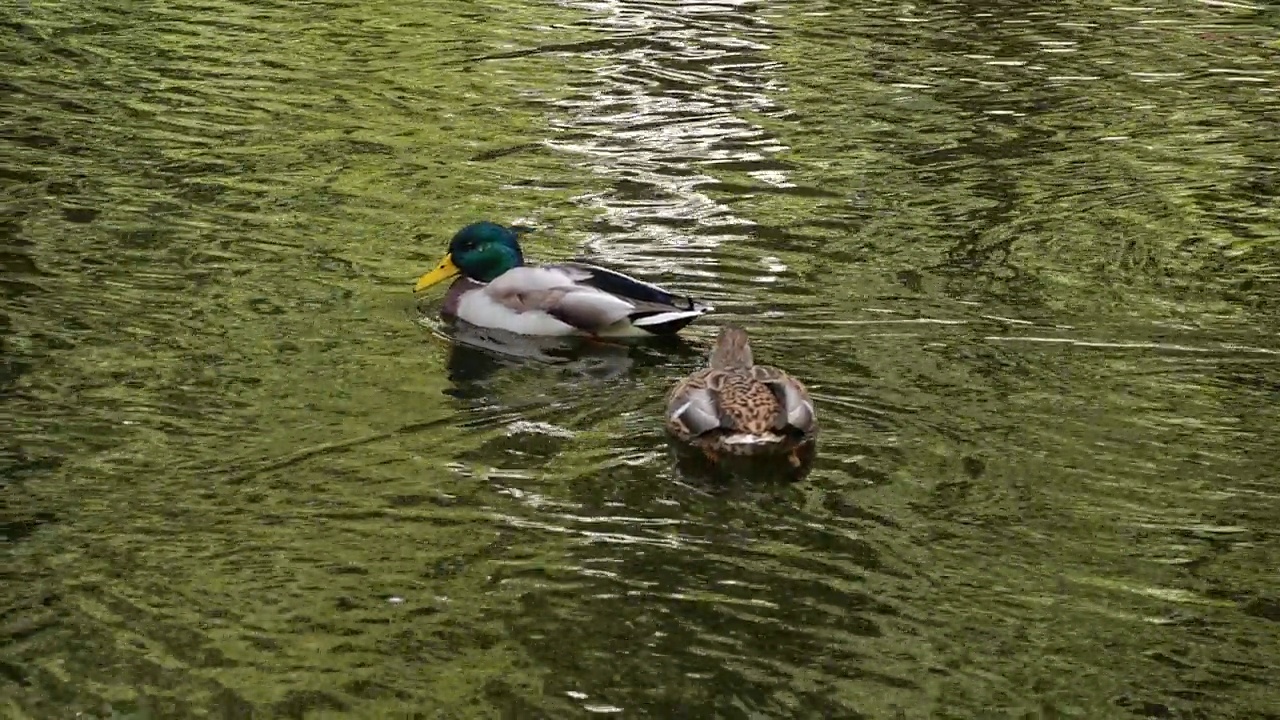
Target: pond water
x=1024, y=255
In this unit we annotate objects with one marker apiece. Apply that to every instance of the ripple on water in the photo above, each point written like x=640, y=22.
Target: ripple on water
x=1019, y=254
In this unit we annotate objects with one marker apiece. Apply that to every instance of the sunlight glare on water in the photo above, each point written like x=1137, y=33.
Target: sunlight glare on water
x=1024, y=256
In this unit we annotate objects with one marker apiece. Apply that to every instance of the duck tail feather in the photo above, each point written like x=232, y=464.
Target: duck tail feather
x=665, y=323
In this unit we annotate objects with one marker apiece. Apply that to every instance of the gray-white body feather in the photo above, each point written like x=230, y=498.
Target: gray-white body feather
x=575, y=298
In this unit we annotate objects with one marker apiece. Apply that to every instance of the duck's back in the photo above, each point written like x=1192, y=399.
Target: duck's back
x=746, y=404
x=759, y=403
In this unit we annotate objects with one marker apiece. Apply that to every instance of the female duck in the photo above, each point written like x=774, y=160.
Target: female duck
x=736, y=407
x=497, y=290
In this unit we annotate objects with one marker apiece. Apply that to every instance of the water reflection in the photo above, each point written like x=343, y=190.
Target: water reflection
x=1019, y=254
x=662, y=116
x=476, y=354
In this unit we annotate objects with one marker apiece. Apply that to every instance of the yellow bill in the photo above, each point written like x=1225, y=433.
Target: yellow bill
x=445, y=270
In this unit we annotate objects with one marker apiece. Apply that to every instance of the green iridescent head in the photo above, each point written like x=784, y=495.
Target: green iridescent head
x=481, y=251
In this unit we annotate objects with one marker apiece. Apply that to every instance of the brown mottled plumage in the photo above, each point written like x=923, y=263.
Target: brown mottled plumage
x=736, y=407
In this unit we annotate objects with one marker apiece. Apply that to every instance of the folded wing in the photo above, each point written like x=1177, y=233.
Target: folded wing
x=655, y=310
x=592, y=299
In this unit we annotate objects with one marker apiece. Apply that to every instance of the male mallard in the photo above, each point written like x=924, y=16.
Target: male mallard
x=497, y=290
x=736, y=407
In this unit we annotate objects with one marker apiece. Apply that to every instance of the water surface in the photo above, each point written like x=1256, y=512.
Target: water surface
x=1024, y=255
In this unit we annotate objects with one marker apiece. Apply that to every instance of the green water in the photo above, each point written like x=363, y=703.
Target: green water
x=1024, y=255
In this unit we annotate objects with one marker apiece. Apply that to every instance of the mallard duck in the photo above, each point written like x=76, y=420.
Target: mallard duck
x=735, y=407
x=497, y=290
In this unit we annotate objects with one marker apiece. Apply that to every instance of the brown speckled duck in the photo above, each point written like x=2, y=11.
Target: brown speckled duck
x=735, y=407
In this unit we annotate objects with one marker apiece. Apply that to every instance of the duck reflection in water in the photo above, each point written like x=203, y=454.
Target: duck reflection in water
x=477, y=355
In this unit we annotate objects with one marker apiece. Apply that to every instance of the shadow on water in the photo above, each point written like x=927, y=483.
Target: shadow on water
x=1023, y=257
x=22, y=282
x=475, y=354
